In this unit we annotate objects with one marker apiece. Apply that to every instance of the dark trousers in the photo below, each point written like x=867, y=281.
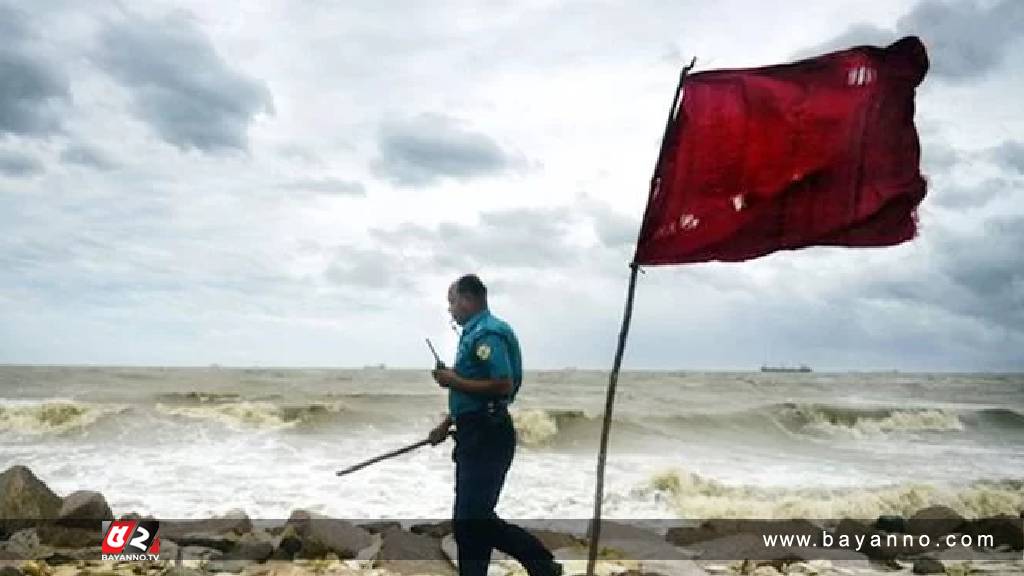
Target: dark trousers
x=485, y=443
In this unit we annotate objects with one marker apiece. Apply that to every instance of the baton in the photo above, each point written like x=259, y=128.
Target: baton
x=391, y=454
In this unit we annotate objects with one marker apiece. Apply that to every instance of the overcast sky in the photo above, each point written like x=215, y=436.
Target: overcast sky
x=296, y=183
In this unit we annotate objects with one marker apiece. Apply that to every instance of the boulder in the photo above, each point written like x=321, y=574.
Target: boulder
x=23, y=544
x=287, y=544
x=252, y=547
x=891, y=545
x=553, y=540
x=24, y=497
x=220, y=542
x=9, y=571
x=404, y=552
x=234, y=522
x=84, y=509
x=381, y=527
x=321, y=535
x=437, y=530
x=928, y=565
x=891, y=523
x=58, y=558
x=224, y=565
x=751, y=546
x=935, y=521
x=688, y=535
x=1005, y=529
x=636, y=543
x=36, y=568
x=781, y=564
x=708, y=530
x=198, y=553
x=59, y=536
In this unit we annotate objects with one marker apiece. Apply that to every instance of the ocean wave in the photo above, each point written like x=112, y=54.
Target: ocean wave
x=694, y=496
x=53, y=416
x=539, y=427
x=197, y=397
x=831, y=420
x=255, y=413
x=545, y=427
x=810, y=420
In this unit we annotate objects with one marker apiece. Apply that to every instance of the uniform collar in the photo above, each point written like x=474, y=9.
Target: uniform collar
x=475, y=320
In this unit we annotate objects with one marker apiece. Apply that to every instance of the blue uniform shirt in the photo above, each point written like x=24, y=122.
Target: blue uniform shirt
x=488, y=349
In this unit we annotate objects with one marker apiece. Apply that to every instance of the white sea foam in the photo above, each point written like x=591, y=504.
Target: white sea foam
x=697, y=496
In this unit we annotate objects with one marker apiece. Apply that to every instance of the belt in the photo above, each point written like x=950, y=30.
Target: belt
x=490, y=407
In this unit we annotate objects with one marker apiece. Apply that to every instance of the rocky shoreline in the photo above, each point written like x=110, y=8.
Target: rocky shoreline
x=43, y=534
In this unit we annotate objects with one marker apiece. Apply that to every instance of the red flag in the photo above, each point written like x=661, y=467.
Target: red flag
x=818, y=152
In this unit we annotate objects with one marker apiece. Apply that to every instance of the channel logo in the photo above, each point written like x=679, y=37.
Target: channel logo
x=130, y=540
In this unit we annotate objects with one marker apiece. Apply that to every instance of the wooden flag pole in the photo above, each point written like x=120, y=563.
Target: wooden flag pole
x=613, y=378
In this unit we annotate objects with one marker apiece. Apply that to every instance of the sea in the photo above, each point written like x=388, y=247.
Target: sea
x=198, y=442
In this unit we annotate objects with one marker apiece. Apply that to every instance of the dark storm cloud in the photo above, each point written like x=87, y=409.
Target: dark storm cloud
x=31, y=88
x=988, y=266
x=18, y=164
x=179, y=83
x=418, y=151
x=978, y=275
x=965, y=40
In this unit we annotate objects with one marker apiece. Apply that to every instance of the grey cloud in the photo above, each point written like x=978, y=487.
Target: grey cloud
x=32, y=89
x=965, y=40
x=329, y=185
x=418, y=151
x=86, y=155
x=518, y=238
x=613, y=229
x=180, y=84
x=362, y=268
x=979, y=275
x=856, y=35
x=989, y=267
x=18, y=164
x=526, y=237
x=938, y=157
x=956, y=197
x=1009, y=154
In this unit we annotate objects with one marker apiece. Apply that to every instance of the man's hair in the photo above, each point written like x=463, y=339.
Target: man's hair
x=471, y=285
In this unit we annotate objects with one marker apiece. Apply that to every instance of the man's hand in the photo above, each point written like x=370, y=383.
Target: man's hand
x=438, y=434
x=444, y=377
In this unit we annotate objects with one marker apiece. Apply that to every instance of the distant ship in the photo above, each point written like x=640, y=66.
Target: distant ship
x=801, y=368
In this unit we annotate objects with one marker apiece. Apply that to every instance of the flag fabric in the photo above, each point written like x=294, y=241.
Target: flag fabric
x=818, y=152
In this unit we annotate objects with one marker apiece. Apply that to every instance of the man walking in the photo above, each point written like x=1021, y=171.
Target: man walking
x=485, y=379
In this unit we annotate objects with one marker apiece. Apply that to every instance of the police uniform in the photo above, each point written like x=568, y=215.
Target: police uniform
x=484, y=446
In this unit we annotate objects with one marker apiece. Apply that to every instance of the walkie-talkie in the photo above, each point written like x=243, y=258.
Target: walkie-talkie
x=438, y=364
